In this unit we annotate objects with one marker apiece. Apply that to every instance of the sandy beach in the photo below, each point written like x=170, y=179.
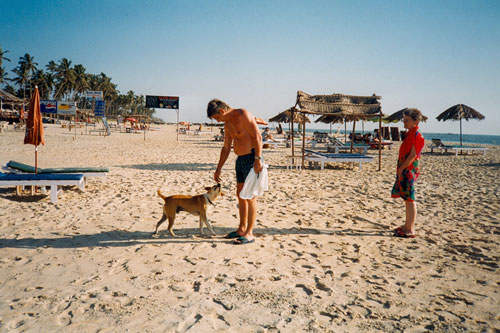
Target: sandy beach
x=325, y=259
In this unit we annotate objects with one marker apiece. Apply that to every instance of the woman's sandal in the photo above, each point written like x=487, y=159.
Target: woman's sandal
x=401, y=233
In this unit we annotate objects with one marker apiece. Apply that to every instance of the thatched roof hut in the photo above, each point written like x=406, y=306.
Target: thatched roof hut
x=459, y=112
x=360, y=106
x=286, y=117
x=8, y=98
x=398, y=116
x=340, y=105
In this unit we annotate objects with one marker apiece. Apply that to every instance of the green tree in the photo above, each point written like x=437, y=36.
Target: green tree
x=10, y=89
x=27, y=62
x=81, y=83
x=45, y=83
x=20, y=79
x=3, y=76
x=65, y=76
x=51, y=67
x=2, y=56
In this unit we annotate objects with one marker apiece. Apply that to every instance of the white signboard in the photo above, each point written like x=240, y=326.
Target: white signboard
x=66, y=108
x=94, y=95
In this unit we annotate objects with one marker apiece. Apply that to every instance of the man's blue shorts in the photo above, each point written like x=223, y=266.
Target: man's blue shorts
x=243, y=166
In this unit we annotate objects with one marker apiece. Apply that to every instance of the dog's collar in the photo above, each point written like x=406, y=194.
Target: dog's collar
x=208, y=199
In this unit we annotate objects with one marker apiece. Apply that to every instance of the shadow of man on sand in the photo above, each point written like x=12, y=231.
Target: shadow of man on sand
x=122, y=238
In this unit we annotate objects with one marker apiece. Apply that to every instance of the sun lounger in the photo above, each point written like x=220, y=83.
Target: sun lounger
x=440, y=146
x=384, y=143
x=298, y=143
x=198, y=132
x=53, y=180
x=336, y=146
x=17, y=167
x=275, y=144
x=337, y=149
x=321, y=137
x=316, y=157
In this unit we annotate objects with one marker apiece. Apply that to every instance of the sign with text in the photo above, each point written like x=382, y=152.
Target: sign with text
x=66, y=108
x=94, y=95
x=48, y=106
x=99, y=108
x=162, y=102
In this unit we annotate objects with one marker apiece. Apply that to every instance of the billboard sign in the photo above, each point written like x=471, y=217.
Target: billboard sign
x=94, y=95
x=66, y=108
x=48, y=106
x=99, y=108
x=162, y=102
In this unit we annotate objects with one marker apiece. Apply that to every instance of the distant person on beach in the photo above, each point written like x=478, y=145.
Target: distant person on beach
x=279, y=129
x=408, y=171
x=367, y=138
x=376, y=137
x=266, y=135
x=241, y=130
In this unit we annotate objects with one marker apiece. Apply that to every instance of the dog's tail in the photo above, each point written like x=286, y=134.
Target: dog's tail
x=161, y=195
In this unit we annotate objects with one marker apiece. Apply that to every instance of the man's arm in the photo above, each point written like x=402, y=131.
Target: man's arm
x=224, y=154
x=250, y=125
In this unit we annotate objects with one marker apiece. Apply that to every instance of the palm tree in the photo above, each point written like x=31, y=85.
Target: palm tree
x=81, y=83
x=108, y=89
x=10, y=89
x=103, y=83
x=3, y=76
x=65, y=78
x=130, y=100
x=2, y=56
x=20, y=79
x=51, y=67
x=45, y=83
x=29, y=64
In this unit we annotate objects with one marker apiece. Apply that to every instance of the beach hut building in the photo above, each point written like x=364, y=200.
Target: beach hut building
x=10, y=106
x=354, y=107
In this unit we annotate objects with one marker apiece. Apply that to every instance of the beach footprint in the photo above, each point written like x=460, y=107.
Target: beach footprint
x=64, y=319
x=189, y=323
x=14, y=324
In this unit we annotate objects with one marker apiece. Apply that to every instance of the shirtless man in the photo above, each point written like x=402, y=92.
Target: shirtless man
x=241, y=131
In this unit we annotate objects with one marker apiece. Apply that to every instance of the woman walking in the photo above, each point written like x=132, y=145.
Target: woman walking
x=408, y=171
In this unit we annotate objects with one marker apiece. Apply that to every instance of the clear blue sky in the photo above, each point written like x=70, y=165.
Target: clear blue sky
x=257, y=54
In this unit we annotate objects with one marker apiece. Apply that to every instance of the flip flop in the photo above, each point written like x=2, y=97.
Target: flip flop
x=402, y=234
x=398, y=229
x=242, y=240
x=231, y=235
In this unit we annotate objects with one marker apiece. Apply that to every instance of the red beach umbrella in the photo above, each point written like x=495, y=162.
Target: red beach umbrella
x=34, y=126
x=260, y=121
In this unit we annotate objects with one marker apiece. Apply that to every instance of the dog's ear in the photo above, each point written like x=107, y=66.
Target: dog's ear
x=207, y=188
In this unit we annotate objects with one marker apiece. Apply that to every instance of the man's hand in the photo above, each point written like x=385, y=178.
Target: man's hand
x=217, y=176
x=257, y=166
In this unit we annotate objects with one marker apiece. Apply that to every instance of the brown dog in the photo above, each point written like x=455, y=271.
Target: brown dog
x=196, y=205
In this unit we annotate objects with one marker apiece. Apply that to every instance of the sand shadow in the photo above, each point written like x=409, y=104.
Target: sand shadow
x=172, y=166
x=490, y=165
x=121, y=238
x=10, y=194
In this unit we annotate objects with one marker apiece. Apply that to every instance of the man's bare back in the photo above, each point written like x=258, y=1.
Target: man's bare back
x=237, y=130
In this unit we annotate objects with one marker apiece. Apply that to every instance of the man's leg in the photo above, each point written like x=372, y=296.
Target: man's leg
x=252, y=216
x=243, y=208
x=411, y=216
